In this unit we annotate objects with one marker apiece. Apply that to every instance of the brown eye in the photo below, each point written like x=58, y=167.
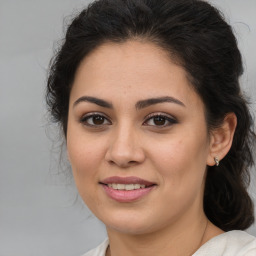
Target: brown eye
x=98, y=120
x=95, y=120
x=160, y=121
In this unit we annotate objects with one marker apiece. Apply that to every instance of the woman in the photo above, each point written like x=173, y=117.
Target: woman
x=158, y=134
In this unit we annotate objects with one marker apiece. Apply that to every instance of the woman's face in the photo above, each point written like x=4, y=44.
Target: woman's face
x=137, y=139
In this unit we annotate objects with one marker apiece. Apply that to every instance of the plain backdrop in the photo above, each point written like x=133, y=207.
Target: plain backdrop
x=40, y=212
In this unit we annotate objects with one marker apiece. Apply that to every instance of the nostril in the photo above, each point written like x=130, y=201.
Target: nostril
x=132, y=162
x=124, y=157
x=111, y=162
x=123, y=164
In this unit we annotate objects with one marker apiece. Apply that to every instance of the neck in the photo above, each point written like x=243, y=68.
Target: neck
x=178, y=240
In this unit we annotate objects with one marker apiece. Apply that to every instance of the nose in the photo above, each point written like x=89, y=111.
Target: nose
x=125, y=148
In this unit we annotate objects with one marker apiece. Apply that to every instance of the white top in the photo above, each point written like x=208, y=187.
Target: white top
x=232, y=243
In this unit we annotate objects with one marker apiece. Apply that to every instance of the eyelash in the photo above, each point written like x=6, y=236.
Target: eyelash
x=85, y=118
x=166, y=118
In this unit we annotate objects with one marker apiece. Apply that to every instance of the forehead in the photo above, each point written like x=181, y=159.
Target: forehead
x=135, y=69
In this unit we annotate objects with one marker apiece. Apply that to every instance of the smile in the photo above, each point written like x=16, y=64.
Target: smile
x=126, y=186
x=126, y=189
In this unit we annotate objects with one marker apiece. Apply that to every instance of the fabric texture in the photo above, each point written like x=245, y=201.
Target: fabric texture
x=232, y=243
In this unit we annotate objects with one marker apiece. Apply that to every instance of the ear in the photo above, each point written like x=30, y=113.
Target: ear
x=221, y=139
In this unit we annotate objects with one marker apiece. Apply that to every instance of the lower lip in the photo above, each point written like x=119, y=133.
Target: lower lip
x=126, y=196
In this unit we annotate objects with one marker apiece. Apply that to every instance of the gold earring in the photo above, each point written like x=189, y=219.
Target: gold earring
x=217, y=161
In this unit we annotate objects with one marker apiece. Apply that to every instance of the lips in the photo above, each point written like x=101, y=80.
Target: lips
x=127, y=180
x=126, y=189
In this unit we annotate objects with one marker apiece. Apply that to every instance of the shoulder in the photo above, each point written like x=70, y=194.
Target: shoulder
x=237, y=243
x=98, y=251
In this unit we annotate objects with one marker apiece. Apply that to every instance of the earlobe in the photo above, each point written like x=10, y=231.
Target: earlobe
x=221, y=140
x=216, y=160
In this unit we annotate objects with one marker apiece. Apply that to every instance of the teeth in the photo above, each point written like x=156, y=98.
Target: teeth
x=126, y=186
x=137, y=186
x=129, y=187
x=119, y=186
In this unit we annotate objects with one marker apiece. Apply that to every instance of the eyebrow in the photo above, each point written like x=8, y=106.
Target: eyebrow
x=152, y=101
x=139, y=105
x=97, y=101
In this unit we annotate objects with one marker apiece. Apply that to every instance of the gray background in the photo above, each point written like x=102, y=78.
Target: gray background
x=40, y=213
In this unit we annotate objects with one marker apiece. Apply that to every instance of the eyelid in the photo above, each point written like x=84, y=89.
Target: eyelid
x=171, y=119
x=92, y=114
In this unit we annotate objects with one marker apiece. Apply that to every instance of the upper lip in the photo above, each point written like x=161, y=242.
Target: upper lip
x=127, y=180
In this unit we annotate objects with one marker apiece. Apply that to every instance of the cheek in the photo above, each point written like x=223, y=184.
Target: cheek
x=84, y=156
x=182, y=173
x=83, y=151
x=182, y=162
x=84, y=162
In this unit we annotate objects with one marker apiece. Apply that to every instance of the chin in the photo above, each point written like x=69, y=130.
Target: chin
x=130, y=229
x=130, y=224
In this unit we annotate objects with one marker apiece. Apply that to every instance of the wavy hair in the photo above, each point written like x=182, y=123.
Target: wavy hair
x=197, y=37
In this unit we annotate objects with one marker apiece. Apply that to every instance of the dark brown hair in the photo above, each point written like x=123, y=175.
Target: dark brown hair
x=194, y=33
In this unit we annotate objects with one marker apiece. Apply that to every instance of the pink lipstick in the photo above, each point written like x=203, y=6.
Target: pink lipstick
x=126, y=189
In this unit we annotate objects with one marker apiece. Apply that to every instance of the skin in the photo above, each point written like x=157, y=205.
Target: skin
x=130, y=142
